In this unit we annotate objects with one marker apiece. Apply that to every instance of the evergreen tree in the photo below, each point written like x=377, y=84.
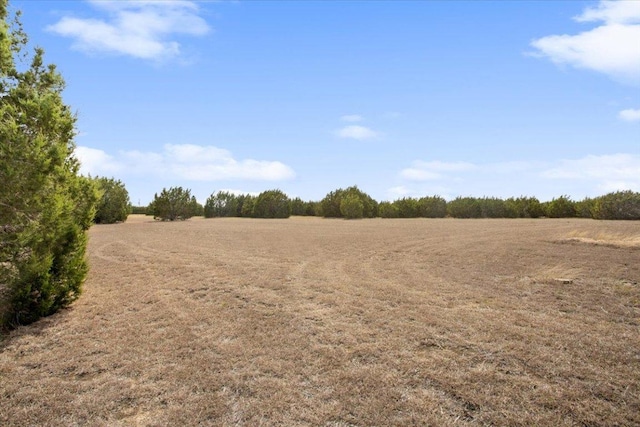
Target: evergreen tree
x=562, y=207
x=432, y=207
x=221, y=204
x=175, y=204
x=388, y=210
x=272, y=204
x=351, y=206
x=114, y=204
x=330, y=205
x=45, y=206
x=618, y=205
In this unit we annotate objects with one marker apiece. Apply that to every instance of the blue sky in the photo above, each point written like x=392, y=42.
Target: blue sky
x=415, y=98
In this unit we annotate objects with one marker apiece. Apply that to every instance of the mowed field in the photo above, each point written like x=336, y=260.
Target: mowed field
x=320, y=322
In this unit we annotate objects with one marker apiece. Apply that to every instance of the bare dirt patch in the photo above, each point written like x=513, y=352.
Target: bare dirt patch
x=328, y=322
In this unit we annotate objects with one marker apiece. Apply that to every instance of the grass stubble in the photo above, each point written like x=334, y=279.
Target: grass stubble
x=339, y=323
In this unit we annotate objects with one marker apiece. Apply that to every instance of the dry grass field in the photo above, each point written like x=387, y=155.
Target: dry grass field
x=314, y=322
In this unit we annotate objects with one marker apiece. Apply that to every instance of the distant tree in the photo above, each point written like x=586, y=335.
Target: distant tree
x=432, y=207
x=407, y=207
x=585, y=208
x=387, y=210
x=330, y=205
x=351, y=207
x=45, y=205
x=562, y=207
x=478, y=207
x=139, y=210
x=248, y=203
x=298, y=207
x=523, y=207
x=618, y=205
x=174, y=204
x=464, y=207
x=221, y=204
x=271, y=204
x=239, y=203
x=492, y=207
x=114, y=204
x=312, y=208
x=197, y=208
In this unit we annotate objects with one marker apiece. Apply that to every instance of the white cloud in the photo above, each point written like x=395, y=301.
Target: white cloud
x=587, y=176
x=434, y=170
x=398, y=192
x=183, y=161
x=96, y=162
x=612, y=12
x=630, y=115
x=142, y=29
x=352, y=118
x=607, y=170
x=611, y=48
x=356, y=132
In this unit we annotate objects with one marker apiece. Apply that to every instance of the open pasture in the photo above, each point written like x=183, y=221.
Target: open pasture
x=310, y=321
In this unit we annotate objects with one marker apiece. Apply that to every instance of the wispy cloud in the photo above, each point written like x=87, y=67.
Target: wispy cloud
x=590, y=175
x=398, y=192
x=630, y=115
x=97, y=162
x=607, y=172
x=434, y=170
x=183, y=161
x=611, y=48
x=141, y=29
x=356, y=132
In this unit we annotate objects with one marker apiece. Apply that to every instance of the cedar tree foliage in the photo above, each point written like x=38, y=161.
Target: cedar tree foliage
x=174, y=204
x=45, y=205
x=114, y=204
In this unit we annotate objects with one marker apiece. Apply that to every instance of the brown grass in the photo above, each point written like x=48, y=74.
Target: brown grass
x=338, y=323
x=605, y=238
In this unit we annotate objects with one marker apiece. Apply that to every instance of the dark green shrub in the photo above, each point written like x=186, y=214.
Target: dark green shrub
x=562, y=207
x=585, y=208
x=464, y=207
x=492, y=207
x=247, y=206
x=387, y=210
x=618, y=205
x=351, y=207
x=407, y=207
x=330, y=205
x=298, y=207
x=312, y=209
x=221, y=204
x=523, y=207
x=301, y=208
x=45, y=206
x=432, y=207
x=139, y=210
x=175, y=204
x=114, y=204
x=271, y=204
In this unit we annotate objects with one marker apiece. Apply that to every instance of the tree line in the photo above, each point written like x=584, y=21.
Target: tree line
x=353, y=203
